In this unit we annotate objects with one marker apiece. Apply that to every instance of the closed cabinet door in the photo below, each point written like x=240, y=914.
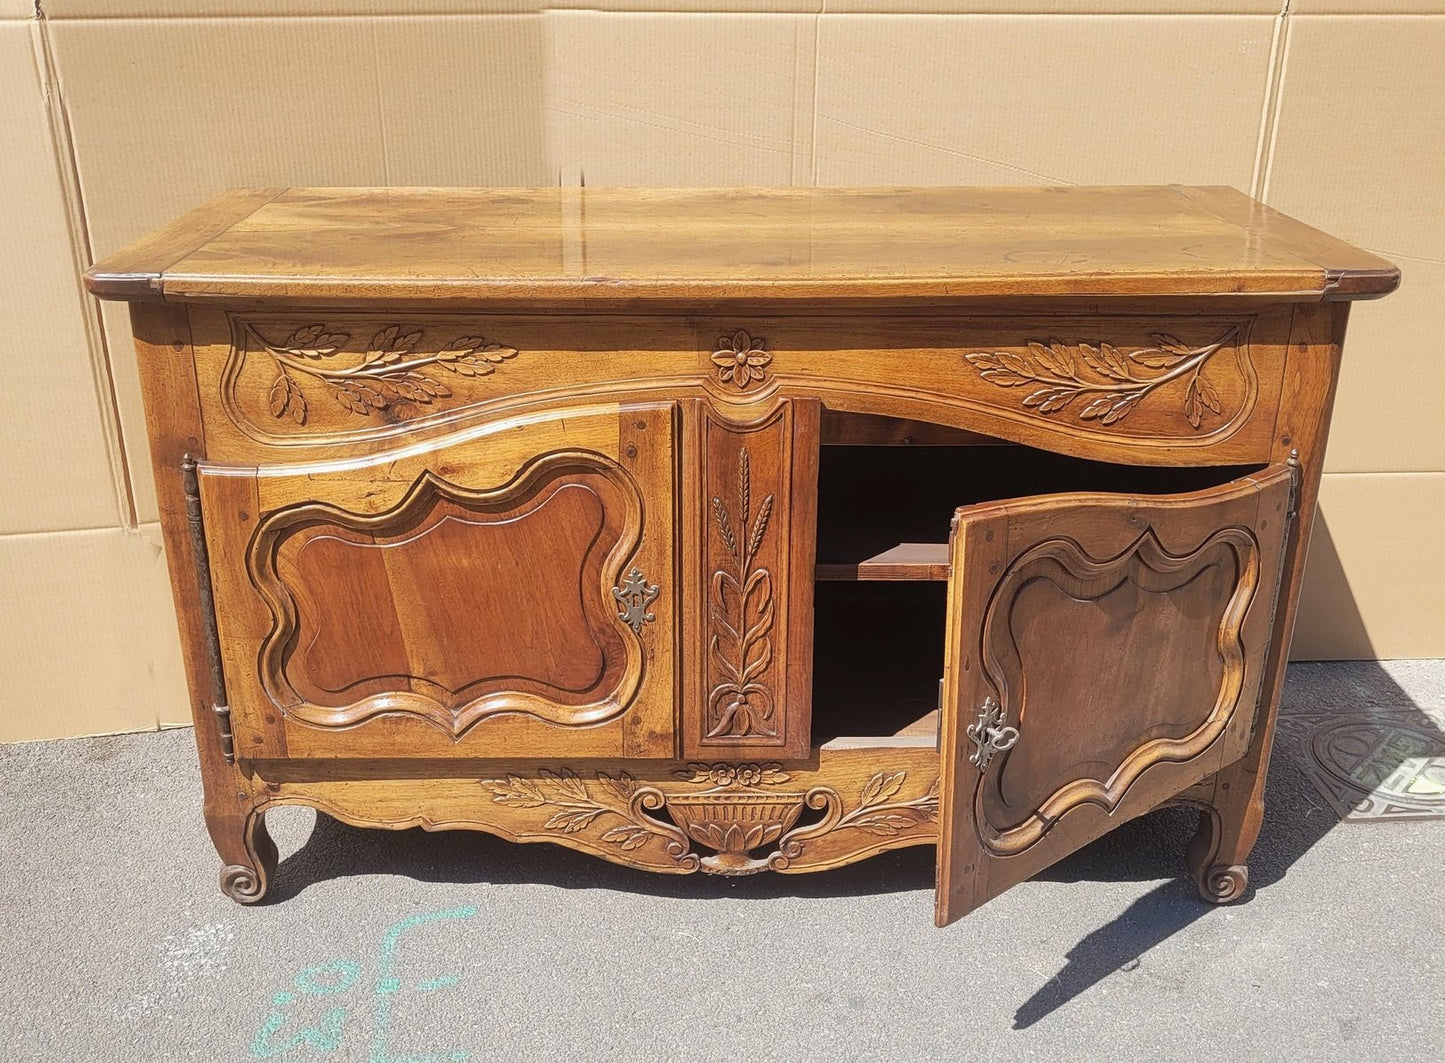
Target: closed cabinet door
x=510, y=591
x=1104, y=653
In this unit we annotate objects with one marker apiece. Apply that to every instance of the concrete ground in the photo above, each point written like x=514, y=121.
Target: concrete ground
x=417, y=947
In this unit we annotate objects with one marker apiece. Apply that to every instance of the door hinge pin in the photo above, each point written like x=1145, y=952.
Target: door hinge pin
x=220, y=705
x=1295, y=478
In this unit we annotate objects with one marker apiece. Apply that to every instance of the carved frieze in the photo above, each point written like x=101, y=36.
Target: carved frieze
x=723, y=819
x=336, y=376
x=1100, y=382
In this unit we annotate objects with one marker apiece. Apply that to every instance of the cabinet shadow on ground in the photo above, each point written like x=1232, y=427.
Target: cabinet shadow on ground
x=1147, y=849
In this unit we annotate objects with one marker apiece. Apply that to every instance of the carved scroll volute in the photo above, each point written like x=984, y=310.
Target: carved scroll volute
x=753, y=491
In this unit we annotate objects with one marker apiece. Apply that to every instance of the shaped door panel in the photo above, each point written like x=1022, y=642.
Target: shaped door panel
x=510, y=592
x=1104, y=653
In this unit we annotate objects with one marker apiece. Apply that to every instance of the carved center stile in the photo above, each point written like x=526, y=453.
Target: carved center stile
x=741, y=614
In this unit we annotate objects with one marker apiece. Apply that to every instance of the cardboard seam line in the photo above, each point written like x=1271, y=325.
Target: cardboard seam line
x=62, y=148
x=1269, y=113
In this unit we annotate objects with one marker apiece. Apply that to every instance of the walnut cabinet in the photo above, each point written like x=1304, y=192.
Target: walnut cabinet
x=740, y=531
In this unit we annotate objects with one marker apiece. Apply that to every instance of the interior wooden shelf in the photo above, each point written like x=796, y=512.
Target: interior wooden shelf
x=906, y=561
x=920, y=732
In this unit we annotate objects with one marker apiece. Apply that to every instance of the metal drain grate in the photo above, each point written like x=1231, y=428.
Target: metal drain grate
x=1378, y=765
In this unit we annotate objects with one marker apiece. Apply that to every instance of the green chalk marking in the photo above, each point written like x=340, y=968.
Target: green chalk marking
x=336, y=977
x=307, y=982
x=388, y=985
x=323, y=1038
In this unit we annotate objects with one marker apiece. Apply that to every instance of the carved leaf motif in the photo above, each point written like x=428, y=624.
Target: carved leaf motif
x=628, y=836
x=1153, y=358
x=1171, y=343
x=568, y=783
x=283, y=393
x=880, y=788
x=313, y=341
x=388, y=345
x=473, y=356
x=571, y=820
x=1193, y=405
x=1055, y=358
x=1048, y=400
x=992, y=369
x=885, y=823
x=517, y=791
x=622, y=787
x=1115, y=391
x=389, y=371
x=1208, y=395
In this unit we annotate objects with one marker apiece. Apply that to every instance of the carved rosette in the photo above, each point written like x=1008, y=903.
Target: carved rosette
x=1102, y=384
x=741, y=359
x=744, y=817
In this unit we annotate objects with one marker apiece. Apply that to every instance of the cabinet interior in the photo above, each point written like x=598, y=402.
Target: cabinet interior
x=887, y=491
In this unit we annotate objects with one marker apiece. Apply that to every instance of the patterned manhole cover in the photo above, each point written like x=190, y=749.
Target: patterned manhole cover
x=1372, y=766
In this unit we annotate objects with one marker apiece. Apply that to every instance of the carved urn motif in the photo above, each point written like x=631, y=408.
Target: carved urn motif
x=737, y=815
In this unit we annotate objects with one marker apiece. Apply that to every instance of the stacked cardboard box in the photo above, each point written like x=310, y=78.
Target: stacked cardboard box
x=121, y=114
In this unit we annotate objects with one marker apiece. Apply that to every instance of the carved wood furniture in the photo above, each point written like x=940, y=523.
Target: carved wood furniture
x=740, y=530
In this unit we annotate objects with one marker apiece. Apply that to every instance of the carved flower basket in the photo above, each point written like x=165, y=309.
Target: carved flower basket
x=734, y=822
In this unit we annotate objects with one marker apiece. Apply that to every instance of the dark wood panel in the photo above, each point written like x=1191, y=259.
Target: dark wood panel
x=1104, y=654
x=459, y=603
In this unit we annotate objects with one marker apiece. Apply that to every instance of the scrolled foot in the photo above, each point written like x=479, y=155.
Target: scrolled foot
x=247, y=852
x=242, y=884
x=1223, y=883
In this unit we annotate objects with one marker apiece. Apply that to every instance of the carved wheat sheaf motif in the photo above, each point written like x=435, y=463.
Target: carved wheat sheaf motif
x=730, y=809
x=740, y=612
x=392, y=370
x=1111, y=383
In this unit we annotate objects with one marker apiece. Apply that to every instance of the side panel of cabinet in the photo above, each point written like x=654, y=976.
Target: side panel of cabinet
x=511, y=593
x=1104, y=653
x=752, y=489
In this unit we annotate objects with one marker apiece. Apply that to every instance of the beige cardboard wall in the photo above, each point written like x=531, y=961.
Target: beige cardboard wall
x=122, y=113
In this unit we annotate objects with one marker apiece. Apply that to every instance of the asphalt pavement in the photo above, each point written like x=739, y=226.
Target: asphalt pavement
x=410, y=947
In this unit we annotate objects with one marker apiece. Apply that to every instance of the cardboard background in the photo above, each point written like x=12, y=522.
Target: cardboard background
x=120, y=115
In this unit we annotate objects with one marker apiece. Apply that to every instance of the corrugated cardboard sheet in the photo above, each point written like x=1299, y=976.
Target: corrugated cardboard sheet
x=122, y=114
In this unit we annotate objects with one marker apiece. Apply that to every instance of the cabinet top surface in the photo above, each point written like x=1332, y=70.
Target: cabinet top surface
x=614, y=245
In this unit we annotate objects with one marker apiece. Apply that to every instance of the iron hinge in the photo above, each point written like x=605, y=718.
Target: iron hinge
x=220, y=706
x=1296, y=475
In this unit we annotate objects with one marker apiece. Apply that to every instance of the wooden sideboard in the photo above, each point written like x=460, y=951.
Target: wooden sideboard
x=740, y=530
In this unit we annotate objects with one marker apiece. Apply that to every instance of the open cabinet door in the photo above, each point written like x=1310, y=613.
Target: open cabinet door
x=1105, y=652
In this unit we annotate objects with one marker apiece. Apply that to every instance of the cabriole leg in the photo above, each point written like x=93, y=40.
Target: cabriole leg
x=1217, y=854
x=247, y=853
